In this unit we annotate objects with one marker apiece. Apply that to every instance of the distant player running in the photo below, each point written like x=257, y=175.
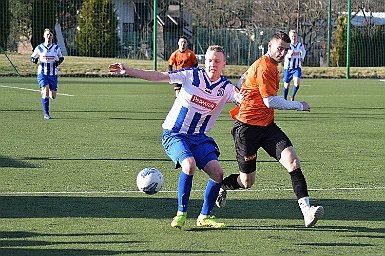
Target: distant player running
x=50, y=56
x=182, y=58
x=293, y=65
x=203, y=95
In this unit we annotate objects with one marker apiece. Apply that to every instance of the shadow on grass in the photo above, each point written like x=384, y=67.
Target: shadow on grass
x=15, y=240
x=74, y=252
x=123, y=159
x=156, y=207
x=14, y=163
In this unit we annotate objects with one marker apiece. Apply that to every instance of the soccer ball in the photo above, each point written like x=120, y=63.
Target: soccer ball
x=150, y=181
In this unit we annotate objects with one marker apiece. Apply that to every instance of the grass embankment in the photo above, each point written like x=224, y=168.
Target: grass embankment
x=86, y=66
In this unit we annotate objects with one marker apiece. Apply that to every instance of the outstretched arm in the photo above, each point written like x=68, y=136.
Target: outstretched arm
x=280, y=103
x=149, y=75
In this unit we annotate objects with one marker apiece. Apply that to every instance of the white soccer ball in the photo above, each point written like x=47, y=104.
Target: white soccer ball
x=150, y=181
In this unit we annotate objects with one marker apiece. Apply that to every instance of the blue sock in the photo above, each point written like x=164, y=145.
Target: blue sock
x=285, y=92
x=45, y=103
x=184, y=190
x=295, y=89
x=211, y=194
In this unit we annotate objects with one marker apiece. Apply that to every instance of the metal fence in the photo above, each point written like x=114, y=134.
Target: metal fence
x=23, y=20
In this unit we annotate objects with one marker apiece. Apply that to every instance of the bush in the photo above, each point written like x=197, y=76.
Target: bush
x=97, y=29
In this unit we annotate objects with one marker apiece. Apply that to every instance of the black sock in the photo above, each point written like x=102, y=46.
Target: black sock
x=299, y=183
x=231, y=182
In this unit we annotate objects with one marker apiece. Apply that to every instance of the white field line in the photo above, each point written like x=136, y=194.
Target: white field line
x=33, y=90
x=175, y=191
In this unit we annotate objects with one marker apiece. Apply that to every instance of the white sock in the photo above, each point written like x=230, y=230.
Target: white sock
x=304, y=204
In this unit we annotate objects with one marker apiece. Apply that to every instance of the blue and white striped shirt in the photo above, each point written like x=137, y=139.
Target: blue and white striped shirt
x=199, y=102
x=47, y=56
x=295, y=61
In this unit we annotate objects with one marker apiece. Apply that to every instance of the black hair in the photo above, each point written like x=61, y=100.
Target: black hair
x=282, y=36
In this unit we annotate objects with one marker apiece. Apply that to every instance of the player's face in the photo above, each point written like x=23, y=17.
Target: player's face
x=278, y=50
x=48, y=36
x=182, y=43
x=214, y=63
x=293, y=37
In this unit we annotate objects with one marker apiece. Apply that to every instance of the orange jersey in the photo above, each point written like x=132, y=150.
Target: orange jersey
x=261, y=81
x=184, y=59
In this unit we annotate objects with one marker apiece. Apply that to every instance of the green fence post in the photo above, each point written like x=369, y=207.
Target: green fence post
x=348, y=41
x=329, y=31
x=155, y=34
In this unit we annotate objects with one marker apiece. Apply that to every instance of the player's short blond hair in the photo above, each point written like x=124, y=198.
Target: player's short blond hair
x=47, y=30
x=216, y=48
x=293, y=31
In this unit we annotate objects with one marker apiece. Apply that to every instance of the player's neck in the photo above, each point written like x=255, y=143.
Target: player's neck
x=270, y=58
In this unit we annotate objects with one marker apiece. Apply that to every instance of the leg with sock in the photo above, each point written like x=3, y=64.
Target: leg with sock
x=231, y=183
x=184, y=190
x=285, y=92
x=311, y=214
x=45, y=104
x=294, y=92
x=205, y=218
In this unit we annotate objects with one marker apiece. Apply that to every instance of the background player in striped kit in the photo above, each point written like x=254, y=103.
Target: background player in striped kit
x=50, y=56
x=293, y=65
x=182, y=58
x=202, y=97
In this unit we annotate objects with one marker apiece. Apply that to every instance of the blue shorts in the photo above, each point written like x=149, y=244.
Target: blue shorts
x=288, y=74
x=179, y=146
x=44, y=80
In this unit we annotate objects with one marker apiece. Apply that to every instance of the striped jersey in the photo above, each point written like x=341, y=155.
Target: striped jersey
x=47, y=56
x=199, y=102
x=294, y=61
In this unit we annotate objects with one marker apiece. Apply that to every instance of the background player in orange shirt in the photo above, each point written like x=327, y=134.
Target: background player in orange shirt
x=182, y=58
x=254, y=127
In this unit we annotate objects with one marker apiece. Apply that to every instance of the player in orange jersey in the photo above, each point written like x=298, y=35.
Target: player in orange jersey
x=182, y=58
x=254, y=128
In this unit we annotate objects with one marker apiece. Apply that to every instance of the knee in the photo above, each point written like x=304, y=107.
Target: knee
x=188, y=166
x=247, y=182
x=44, y=92
x=52, y=94
x=289, y=159
x=214, y=170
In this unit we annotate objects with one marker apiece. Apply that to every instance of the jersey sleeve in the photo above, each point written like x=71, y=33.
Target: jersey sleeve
x=194, y=59
x=303, y=51
x=178, y=76
x=59, y=53
x=36, y=53
x=171, y=60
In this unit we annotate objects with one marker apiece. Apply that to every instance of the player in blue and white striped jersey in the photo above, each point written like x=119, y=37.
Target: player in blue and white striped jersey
x=293, y=65
x=202, y=97
x=50, y=56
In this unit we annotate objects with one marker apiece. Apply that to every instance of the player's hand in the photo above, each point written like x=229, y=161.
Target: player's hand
x=34, y=60
x=56, y=64
x=306, y=106
x=117, y=69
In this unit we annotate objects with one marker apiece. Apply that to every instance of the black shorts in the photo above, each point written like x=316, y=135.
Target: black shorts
x=249, y=138
x=177, y=86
